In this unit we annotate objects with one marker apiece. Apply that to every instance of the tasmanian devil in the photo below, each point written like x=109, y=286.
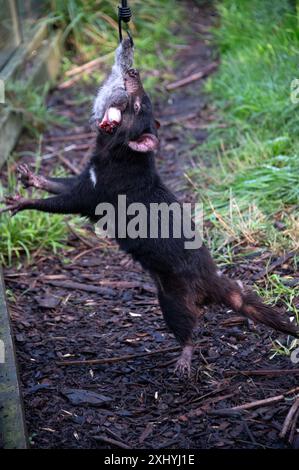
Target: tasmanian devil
x=123, y=163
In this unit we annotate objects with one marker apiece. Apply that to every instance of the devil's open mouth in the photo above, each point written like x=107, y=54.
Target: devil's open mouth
x=145, y=143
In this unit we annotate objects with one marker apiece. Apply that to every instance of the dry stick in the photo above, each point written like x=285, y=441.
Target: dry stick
x=112, y=360
x=192, y=78
x=79, y=286
x=234, y=321
x=256, y=404
x=202, y=409
x=275, y=265
x=69, y=83
x=293, y=427
x=85, y=158
x=267, y=372
x=68, y=164
x=114, y=442
x=88, y=65
x=179, y=118
x=83, y=253
x=67, y=138
x=9, y=275
x=77, y=147
x=84, y=240
x=289, y=418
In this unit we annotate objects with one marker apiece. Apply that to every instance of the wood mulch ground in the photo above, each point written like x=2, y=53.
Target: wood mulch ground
x=93, y=302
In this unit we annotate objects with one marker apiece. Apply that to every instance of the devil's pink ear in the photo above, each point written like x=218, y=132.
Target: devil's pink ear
x=145, y=143
x=158, y=124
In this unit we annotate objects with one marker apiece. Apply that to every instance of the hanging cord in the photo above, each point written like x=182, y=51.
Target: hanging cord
x=124, y=14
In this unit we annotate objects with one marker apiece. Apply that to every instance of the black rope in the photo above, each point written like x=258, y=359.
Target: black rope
x=124, y=14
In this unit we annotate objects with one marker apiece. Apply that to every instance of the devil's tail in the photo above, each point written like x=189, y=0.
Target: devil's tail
x=251, y=305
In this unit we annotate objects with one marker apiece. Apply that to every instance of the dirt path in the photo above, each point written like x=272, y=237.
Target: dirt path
x=113, y=312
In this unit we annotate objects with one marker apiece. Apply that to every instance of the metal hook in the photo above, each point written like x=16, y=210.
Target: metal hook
x=124, y=14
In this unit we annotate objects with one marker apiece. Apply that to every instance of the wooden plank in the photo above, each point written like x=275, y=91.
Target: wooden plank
x=10, y=128
x=12, y=426
x=44, y=68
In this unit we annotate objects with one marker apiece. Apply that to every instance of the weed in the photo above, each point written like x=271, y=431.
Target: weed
x=249, y=171
x=30, y=102
x=30, y=231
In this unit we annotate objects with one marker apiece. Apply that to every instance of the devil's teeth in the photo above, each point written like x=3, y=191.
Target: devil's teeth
x=114, y=114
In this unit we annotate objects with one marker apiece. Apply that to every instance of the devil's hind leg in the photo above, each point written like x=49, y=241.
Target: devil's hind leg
x=181, y=321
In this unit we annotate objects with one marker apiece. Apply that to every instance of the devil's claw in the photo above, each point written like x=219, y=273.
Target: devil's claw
x=14, y=203
x=24, y=174
x=23, y=169
x=28, y=178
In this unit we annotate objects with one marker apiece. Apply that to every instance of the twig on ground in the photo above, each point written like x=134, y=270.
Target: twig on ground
x=114, y=442
x=83, y=253
x=192, y=78
x=179, y=118
x=69, y=83
x=80, y=237
x=290, y=418
x=232, y=321
x=112, y=360
x=204, y=407
x=69, y=165
x=69, y=137
x=263, y=372
x=258, y=403
x=85, y=158
x=293, y=427
x=274, y=265
x=79, y=286
x=77, y=147
x=88, y=66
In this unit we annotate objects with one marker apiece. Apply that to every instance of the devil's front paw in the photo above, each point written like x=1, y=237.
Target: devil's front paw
x=15, y=203
x=28, y=178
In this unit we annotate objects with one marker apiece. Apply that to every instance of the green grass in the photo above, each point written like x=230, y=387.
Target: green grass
x=29, y=231
x=249, y=169
x=30, y=102
x=278, y=291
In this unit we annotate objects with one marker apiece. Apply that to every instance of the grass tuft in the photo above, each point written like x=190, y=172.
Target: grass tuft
x=30, y=102
x=30, y=231
x=251, y=160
